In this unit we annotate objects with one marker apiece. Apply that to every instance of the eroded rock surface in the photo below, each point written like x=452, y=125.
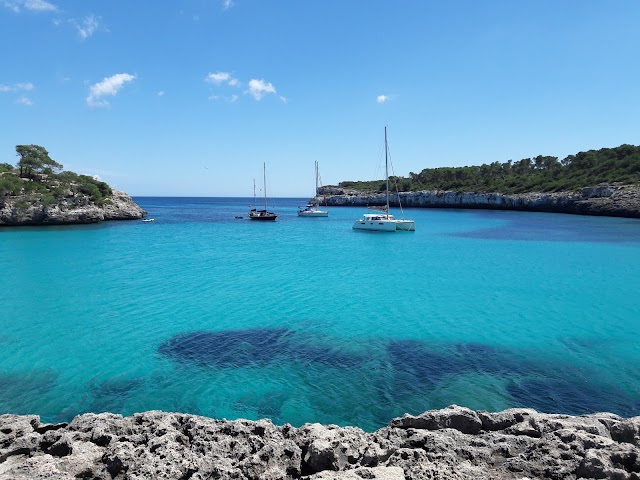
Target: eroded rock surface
x=28, y=210
x=452, y=443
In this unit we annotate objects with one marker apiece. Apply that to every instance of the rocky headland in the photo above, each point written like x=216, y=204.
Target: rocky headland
x=452, y=443
x=29, y=209
x=607, y=200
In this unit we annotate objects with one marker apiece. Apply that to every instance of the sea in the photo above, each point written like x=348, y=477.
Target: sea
x=307, y=320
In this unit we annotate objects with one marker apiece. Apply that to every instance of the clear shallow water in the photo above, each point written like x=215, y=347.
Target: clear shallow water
x=306, y=320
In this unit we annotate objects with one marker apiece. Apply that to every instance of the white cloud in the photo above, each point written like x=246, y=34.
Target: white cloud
x=39, y=5
x=16, y=87
x=217, y=98
x=24, y=101
x=260, y=88
x=109, y=86
x=219, y=78
x=33, y=5
x=161, y=93
x=257, y=88
x=13, y=6
x=227, y=4
x=85, y=27
x=382, y=98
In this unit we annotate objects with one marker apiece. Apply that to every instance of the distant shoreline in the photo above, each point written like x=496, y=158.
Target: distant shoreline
x=607, y=200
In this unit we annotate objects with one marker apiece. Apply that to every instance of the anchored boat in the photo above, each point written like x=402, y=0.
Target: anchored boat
x=384, y=222
x=313, y=208
x=264, y=215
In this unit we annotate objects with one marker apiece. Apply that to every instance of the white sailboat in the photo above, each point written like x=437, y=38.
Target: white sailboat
x=384, y=222
x=263, y=215
x=313, y=208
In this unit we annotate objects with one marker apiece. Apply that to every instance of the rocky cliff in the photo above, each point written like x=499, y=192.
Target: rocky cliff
x=615, y=201
x=29, y=210
x=453, y=443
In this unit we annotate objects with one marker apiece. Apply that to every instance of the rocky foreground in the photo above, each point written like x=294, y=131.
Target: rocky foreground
x=453, y=443
x=609, y=200
x=29, y=210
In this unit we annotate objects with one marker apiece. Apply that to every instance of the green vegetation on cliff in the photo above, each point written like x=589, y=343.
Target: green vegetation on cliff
x=539, y=174
x=37, y=173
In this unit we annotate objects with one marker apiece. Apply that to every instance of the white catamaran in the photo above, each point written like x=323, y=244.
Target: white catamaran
x=384, y=222
x=313, y=208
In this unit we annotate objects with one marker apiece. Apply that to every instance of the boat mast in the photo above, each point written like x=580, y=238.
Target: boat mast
x=315, y=197
x=264, y=166
x=254, y=193
x=386, y=166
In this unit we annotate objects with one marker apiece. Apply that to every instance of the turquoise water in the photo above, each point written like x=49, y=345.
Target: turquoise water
x=306, y=320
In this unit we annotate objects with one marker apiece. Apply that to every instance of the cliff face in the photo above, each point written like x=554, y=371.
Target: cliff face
x=28, y=210
x=615, y=201
x=453, y=443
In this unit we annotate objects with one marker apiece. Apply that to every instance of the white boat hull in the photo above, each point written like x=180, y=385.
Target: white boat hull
x=375, y=225
x=313, y=213
x=406, y=225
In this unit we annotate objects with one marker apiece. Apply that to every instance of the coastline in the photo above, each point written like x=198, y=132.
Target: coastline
x=606, y=200
x=28, y=210
x=452, y=443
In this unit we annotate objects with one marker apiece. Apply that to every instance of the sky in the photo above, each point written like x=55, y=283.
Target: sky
x=193, y=97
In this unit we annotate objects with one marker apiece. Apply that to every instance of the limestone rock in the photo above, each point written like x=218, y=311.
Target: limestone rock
x=458, y=418
x=452, y=443
x=29, y=210
x=608, y=200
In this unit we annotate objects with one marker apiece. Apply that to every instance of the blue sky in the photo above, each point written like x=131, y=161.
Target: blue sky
x=191, y=97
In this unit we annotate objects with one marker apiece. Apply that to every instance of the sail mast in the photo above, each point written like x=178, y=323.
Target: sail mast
x=386, y=166
x=264, y=167
x=315, y=197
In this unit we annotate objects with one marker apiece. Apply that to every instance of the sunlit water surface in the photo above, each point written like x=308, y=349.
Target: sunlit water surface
x=306, y=320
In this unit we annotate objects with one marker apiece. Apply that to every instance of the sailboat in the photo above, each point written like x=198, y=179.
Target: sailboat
x=313, y=208
x=263, y=215
x=384, y=222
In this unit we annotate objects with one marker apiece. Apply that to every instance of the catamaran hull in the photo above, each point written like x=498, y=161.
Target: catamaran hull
x=406, y=225
x=313, y=213
x=375, y=225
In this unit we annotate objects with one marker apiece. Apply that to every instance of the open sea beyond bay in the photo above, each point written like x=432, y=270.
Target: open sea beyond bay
x=306, y=320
